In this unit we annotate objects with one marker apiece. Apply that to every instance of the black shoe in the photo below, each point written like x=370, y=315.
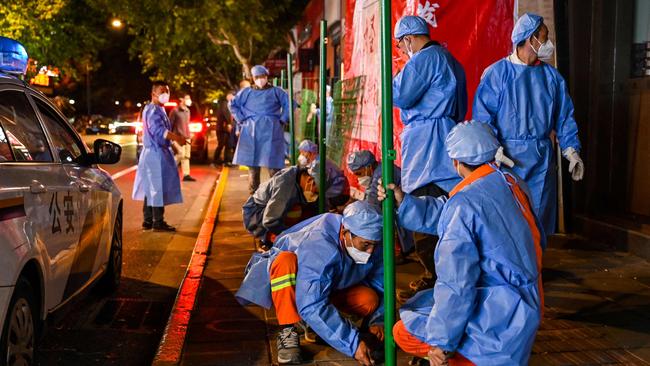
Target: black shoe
x=163, y=227
x=147, y=226
x=188, y=178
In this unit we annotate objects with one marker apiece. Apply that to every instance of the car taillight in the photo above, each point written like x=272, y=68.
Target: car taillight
x=196, y=127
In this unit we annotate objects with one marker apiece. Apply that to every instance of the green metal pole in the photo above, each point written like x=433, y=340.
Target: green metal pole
x=387, y=158
x=292, y=131
x=322, y=148
x=282, y=77
x=275, y=81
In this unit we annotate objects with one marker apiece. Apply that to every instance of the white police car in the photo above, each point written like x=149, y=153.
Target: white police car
x=60, y=214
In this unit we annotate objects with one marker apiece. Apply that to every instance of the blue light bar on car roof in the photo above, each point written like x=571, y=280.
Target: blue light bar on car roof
x=13, y=56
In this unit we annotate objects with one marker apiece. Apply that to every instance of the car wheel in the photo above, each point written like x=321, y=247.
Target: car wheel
x=19, y=334
x=111, y=279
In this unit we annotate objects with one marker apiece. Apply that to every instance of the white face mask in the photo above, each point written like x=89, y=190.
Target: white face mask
x=358, y=256
x=163, y=98
x=261, y=82
x=365, y=181
x=545, y=49
x=302, y=161
x=188, y=102
x=409, y=49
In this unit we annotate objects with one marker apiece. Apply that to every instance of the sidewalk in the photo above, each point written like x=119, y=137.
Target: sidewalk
x=597, y=304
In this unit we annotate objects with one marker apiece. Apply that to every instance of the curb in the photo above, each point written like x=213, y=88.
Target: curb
x=171, y=345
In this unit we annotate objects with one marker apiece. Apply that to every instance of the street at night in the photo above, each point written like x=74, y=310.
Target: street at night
x=324, y=182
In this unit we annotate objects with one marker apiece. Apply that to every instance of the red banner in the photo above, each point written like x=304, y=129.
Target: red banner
x=476, y=32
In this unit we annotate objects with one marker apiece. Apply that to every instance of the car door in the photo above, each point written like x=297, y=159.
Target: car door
x=89, y=199
x=32, y=176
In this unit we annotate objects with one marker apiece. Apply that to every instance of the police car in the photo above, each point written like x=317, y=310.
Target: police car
x=60, y=214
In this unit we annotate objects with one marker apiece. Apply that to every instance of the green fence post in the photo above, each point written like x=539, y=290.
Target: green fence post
x=388, y=205
x=322, y=135
x=292, y=130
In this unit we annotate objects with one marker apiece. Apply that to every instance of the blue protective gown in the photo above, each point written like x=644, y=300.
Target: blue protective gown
x=261, y=114
x=157, y=176
x=337, y=183
x=431, y=93
x=523, y=104
x=485, y=303
x=323, y=266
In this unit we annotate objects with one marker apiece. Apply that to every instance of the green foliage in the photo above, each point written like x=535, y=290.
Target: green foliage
x=62, y=33
x=208, y=45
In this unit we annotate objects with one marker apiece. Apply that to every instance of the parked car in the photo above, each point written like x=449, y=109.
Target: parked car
x=199, y=132
x=60, y=213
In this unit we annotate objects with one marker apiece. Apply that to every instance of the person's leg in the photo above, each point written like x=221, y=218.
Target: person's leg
x=221, y=144
x=408, y=342
x=253, y=178
x=283, y=293
x=159, y=223
x=185, y=162
x=357, y=300
x=147, y=214
x=412, y=345
x=283, y=287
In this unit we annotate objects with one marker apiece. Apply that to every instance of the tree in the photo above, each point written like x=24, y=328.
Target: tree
x=210, y=44
x=62, y=33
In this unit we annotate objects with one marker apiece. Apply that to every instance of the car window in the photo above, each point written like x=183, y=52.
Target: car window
x=64, y=142
x=5, y=150
x=22, y=129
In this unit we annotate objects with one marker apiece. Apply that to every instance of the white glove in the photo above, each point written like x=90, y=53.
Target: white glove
x=501, y=158
x=576, y=166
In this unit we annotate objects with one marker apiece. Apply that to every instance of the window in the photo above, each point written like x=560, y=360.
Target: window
x=22, y=129
x=5, y=150
x=64, y=143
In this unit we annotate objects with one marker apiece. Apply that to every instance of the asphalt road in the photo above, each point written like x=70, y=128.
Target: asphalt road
x=125, y=328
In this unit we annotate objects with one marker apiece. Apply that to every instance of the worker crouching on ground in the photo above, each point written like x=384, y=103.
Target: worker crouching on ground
x=289, y=197
x=325, y=265
x=338, y=187
x=486, y=304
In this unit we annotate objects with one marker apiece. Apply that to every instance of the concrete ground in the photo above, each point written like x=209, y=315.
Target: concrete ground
x=597, y=304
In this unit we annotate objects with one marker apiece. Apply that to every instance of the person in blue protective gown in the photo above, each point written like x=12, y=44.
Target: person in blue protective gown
x=338, y=187
x=261, y=111
x=430, y=92
x=326, y=264
x=487, y=301
x=156, y=180
x=526, y=102
x=365, y=167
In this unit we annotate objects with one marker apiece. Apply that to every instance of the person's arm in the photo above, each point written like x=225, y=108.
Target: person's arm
x=276, y=206
x=486, y=99
x=313, y=289
x=408, y=87
x=457, y=267
x=284, y=101
x=420, y=214
x=236, y=107
x=156, y=126
x=565, y=124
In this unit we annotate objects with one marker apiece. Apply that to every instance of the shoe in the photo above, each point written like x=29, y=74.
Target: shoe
x=188, y=178
x=229, y=165
x=163, y=227
x=147, y=226
x=289, y=346
x=422, y=284
x=306, y=331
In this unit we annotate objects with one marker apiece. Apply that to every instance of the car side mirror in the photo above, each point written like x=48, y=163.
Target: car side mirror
x=106, y=152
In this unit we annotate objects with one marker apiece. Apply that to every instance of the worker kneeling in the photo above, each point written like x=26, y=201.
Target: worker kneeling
x=487, y=300
x=324, y=265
